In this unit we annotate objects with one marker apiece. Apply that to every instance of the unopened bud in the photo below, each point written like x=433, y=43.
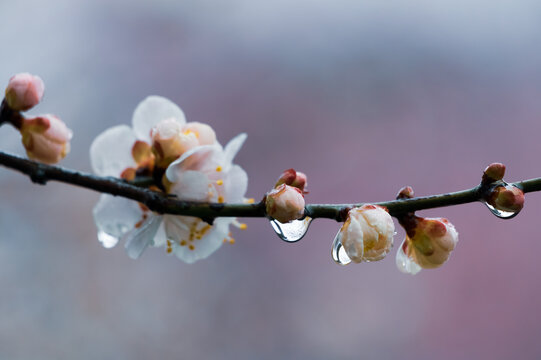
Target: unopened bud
x=493, y=172
x=24, y=91
x=169, y=141
x=203, y=132
x=428, y=244
x=46, y=138
x=367, y=234
x=293, y=178
x=285, y=203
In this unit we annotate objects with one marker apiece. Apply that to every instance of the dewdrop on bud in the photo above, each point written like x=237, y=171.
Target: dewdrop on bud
x=428, y=244
x=292, y=178
x=203, y=132
x=367, y=234
x=169, y=141
x=45, y=138
x=285, y=203
x=503, y=200
x=24, y=91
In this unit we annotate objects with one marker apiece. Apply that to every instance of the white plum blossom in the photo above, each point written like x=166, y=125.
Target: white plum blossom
x=204, y=172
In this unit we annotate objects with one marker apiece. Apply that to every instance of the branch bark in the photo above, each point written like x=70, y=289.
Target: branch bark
x=159, y=202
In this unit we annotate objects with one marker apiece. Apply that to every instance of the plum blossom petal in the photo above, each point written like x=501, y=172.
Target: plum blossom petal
x=201, y=248
x=233, y=147
x=404, y=263
x=191, y=186
x=236, y=184
x=138, y=239
x=115, y=216
x=193, y=159
x=151, y=111
x=111, y=151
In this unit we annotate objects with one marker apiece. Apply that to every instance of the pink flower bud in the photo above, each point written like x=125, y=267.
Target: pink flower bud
x=293, y=178
x=203, y=132
x=24, y=91
x=493, y=172
x=45, y=138
x=169, y=141
x=429, y=243
x=367, y=234
x=506, y=198
x=285, y=203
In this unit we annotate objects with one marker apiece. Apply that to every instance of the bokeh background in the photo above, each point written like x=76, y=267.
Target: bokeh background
x=363, y=96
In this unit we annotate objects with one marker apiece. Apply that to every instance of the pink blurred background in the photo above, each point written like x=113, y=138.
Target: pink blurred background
x=364, y=97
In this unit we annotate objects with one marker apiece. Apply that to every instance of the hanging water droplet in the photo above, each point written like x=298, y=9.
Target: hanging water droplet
x=107, y=240
x=500, y=213
x=292, y=231
x=338, y=252
x=505, y=201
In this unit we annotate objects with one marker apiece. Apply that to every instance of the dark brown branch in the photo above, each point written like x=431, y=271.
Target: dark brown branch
x=41, y=173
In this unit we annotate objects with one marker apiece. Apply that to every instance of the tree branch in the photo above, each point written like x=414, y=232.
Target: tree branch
x=159, y=202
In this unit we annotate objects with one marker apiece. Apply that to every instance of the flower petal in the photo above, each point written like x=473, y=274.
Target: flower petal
x=191, y=186
x=190, y=160
x=111, y=151
x=151, y=111
x=236, y=184
x=207, y=244
x=141, y=237
x=114, y=217
x=404, y=263
x=233, y=147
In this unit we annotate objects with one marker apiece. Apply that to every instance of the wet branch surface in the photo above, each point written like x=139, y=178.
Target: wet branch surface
x=162, y=203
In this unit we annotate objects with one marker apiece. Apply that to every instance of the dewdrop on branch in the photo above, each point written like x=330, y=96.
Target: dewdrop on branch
x=428, y=243
x=366, y=235
x=503, y=200
x=24, y=91
x=285, y=205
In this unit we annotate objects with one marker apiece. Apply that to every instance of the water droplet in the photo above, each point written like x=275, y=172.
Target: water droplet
x=292, y=231
x=107, y=240
x=338, y=252
x=500, y=213
x=491, y=205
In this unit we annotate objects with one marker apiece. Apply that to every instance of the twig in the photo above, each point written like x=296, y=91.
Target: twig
x=159, y=202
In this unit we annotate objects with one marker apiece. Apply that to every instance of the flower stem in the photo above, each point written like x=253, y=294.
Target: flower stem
x=159, y=202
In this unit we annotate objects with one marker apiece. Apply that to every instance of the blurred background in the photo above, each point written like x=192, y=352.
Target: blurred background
x=363, y=96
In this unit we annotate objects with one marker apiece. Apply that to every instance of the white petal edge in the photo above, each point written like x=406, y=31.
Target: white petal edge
x=111, y=151
x=151, y=111
x=115, y=216
x=404, y=263
x=233, y=147
x=140, y=238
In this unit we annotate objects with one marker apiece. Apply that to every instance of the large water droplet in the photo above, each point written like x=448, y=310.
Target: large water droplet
x=292, y=231
x=338, y=252
x=502, y=214
x=107, y=240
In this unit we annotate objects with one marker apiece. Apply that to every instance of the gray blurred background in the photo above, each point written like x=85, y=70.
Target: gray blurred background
x=363, y=96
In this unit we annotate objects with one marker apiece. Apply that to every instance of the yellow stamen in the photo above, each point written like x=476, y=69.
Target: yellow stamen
x=243, y=226
x=183, y=243
x=220, y=199
x=191, y=247
x=169, y=250
x=249, y=201
x=220, y=182
x=231, y=241
x=218, y=168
